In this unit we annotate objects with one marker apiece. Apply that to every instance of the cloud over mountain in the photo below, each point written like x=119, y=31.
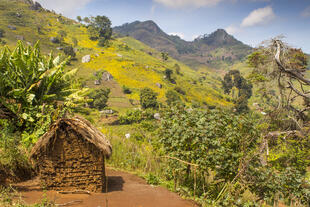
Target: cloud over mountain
x=232, y=29
x=259, y=17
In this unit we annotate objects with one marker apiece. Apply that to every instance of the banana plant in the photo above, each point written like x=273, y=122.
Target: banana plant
x=29, y=80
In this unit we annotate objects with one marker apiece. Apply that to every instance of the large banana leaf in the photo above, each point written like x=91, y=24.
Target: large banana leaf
x=32, y=80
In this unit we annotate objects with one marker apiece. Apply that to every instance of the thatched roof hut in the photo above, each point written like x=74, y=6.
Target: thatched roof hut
x=71, y=155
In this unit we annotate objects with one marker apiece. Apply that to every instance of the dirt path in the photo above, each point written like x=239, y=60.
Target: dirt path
x=125, y=190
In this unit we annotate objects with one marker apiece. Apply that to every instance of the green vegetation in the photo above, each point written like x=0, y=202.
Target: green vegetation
x=136, y=116
x=172, y=97
x=35, y=91
x=164, y=56
x=282, y=87
x=239, y=88
x=99, y=28
x=148, y=98
x=69, y=51
x=99, y=98
x=31, y=84
x=218, y=50
x=186, y=137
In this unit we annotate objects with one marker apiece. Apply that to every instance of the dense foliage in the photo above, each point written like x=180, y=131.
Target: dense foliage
x=99, y=98
x=136, y=116
x=148, y=98
x=31, y=85
x=229, y=165
x=99, y=28
x=239, y=88
x=69, y=51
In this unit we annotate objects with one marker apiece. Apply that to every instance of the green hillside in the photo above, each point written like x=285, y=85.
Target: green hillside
x=165, y=117
x=130, y=62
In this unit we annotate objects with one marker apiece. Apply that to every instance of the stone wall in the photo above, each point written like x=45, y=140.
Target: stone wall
x=71, y=163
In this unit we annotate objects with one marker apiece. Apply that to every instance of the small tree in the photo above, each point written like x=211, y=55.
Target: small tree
x=164, y=56
x=79, y=18
x=239, y=88
x=69, y=51
x=99, y=98
x=168, y=73
x=86, y=20
x=148, y=98
x=100, y=28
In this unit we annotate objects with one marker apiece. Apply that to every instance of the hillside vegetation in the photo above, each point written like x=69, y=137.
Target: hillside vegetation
x=131, y=63
x=186, y=129
x=217, y=50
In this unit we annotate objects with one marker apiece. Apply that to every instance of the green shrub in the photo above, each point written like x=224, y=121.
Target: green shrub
x=152, y=179
x=99, y=98
x=130, y=117
x=13, y=161
x=69, y=51
x=148, y=98
x=136, y=116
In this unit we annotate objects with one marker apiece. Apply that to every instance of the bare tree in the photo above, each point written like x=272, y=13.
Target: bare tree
x=281, y=69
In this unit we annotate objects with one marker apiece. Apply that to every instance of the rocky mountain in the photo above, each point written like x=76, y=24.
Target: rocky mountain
x=218, y=49
x=151, y=34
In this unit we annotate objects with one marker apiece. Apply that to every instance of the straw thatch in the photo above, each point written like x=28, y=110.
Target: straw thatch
x=81, y=126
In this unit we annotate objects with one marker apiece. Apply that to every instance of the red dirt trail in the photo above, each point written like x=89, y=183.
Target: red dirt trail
x=124, y=190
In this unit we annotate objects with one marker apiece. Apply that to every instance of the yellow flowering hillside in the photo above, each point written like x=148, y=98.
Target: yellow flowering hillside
x=130, y=62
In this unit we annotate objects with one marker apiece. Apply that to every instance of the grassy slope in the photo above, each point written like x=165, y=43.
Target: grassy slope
x=126, y=59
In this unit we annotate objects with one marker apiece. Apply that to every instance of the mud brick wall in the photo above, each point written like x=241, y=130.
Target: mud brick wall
x=72, y=164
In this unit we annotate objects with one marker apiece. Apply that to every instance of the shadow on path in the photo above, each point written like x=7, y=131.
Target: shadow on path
x=115, y=183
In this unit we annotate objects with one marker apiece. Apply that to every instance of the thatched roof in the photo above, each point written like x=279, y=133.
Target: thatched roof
x=83, y=127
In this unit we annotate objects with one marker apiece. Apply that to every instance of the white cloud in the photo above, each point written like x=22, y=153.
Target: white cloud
x=65, y=7
x=187, y=3
x=194, y=37
x=181, y=35
x=259, y=17
x=232, y=29
x=306, y=12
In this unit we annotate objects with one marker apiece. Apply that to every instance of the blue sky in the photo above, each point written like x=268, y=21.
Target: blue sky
x=251, y=21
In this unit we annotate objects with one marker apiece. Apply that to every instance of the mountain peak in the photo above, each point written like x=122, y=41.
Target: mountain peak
x=218, y=38
x=198, y=52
